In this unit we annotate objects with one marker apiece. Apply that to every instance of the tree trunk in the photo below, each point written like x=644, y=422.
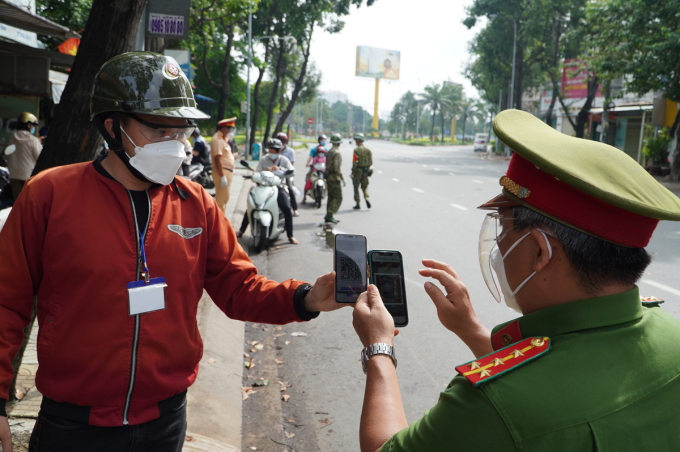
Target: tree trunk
x=442, y=125
x=275, y=89
x=110, y=30
x=556, y=33
x=224, y=92
x=675, y=130
x=297, y=87
x=434, y=112
x=582, y=118
x=518, y=78
x=465, y=115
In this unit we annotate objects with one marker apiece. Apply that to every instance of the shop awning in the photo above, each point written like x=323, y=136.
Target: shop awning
x=26, y=20
x=56, y=58
x=622, y=108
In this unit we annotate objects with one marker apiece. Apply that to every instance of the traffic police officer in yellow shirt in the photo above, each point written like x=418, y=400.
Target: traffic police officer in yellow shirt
x=361, y=170
x=590, y=365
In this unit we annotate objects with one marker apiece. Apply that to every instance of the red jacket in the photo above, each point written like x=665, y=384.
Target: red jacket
x=70, y=239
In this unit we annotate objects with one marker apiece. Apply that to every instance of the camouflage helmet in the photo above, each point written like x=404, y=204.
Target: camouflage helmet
x=359, y=137
x=336, y=139
x=143, y=83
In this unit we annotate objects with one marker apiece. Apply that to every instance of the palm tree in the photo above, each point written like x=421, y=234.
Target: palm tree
x=433, y=97
x=454, y=102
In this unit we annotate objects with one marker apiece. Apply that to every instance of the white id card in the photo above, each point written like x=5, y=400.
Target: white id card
x=146, y=297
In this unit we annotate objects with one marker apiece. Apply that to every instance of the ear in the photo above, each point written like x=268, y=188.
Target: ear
x=543, y=254
x=108, y=124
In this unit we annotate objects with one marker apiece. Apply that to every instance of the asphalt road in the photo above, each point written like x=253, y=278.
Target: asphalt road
x=424, y=201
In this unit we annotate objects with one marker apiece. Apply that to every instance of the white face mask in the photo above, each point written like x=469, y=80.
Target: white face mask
x=498, y=266
x=158, y=162
x=273, y=156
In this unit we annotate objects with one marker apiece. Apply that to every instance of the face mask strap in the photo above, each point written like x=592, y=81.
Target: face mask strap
x=512, y=247
x=550, y=254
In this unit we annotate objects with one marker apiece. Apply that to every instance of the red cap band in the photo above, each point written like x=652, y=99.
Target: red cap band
x=556, y=198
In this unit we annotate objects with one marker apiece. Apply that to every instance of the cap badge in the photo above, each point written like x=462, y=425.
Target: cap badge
x=515, y=189
x=171, y=70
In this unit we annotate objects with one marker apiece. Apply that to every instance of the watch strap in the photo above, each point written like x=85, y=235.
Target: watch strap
x=379, y=348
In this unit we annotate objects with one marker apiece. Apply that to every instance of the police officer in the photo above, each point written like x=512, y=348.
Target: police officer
x=590, y=365
x=361, y=170
x=222, y=149
x=120, y=269
x=334, y=178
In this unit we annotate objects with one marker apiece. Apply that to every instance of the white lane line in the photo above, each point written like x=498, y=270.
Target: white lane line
x=662, y=286
x=424, y=166
x=458, y=206
x=418, y=190
x=677, y=232
x=451, y=174
x=436, y=169
x=379, y=172
x=478, y=181
x=395, y=179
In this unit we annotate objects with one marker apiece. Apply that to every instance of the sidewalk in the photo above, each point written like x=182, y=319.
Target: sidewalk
x=213, y=401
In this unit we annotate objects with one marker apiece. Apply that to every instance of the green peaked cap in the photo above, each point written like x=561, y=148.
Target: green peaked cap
x=595, y=168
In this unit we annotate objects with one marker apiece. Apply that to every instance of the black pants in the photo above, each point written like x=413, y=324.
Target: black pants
x=293, y=201
x=283, y=200
x=56, y=434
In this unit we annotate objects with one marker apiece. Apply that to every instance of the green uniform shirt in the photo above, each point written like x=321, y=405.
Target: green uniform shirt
x=334, y=164
x=609, y=383
x=362, y=158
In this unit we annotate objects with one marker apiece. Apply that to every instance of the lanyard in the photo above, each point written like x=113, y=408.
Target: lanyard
x=146, y=267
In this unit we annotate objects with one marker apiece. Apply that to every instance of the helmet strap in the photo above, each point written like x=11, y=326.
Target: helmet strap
x=116, y=141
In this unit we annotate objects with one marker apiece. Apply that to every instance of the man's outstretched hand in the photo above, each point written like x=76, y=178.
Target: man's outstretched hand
x=5, y=434
x=454, y=308
x=322, y=296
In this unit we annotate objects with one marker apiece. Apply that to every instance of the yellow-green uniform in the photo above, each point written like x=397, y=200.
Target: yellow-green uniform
x=334, y=177
x=608, y=383
x=362, y=161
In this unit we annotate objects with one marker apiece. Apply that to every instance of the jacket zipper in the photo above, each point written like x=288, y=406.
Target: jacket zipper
x=135, y=339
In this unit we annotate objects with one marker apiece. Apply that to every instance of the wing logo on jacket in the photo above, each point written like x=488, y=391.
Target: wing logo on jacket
x=186, y=233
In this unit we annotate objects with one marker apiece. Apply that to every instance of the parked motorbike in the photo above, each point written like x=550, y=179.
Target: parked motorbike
x=6, y=198
x=265, y=220
x=317, y=191
x=205, y=177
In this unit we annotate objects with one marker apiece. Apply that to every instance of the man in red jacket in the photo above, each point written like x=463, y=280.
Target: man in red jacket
x=118, y=252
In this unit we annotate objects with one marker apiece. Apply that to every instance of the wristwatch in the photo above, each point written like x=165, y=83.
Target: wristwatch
x=377, y=349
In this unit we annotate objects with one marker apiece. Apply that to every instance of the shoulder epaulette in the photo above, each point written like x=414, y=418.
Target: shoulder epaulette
x=504, y=360
x=650, y=302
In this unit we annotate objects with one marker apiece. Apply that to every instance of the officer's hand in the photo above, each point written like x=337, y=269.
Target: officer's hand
x=371, y=320
x=224, y=182
x=5, y=435
x=454, y=309
x=322, y=296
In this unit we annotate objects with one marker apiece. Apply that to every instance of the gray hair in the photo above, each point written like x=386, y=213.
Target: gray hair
x=596, y=262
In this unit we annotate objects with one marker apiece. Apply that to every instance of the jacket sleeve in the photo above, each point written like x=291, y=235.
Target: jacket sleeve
x=233, y=283
x=21, y=271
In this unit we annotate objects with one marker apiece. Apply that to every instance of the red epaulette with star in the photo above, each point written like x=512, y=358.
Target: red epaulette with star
x=504, y=360
x=650, y=302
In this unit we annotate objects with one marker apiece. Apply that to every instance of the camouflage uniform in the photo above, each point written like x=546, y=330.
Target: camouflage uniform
x=334, y=178
x=362, y=161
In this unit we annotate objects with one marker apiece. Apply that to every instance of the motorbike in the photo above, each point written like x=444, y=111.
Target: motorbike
x=6, y=199
x=317, y=191
x=265, y=219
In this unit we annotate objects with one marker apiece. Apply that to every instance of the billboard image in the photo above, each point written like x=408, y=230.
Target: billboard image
x=377, y=63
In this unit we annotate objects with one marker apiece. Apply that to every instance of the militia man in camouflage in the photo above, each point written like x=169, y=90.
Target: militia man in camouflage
x=334, y=178
x=361, y=170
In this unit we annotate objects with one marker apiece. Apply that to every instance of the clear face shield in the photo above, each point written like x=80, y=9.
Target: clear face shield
x=491, y=234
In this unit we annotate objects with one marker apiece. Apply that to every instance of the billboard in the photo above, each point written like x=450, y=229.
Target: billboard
x=575, y=80
x=377, y=63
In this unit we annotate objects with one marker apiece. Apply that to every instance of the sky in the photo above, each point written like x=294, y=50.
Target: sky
x=429, y=34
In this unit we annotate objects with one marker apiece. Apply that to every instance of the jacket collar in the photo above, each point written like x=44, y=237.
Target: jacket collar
x=571, y=317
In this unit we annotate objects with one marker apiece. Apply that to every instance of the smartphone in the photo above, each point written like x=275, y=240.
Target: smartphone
x=349, y=263
x=386, y=271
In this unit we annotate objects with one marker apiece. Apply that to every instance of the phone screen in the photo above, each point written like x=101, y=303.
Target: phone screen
x=350, y=267
x=387, y=273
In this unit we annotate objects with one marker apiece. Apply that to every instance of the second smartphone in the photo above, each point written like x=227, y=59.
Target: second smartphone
x=386, y=271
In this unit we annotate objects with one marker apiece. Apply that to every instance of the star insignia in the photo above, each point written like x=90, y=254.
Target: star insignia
x=517, y=353
x=498, y=362
x=474, y=365
x=484, y=373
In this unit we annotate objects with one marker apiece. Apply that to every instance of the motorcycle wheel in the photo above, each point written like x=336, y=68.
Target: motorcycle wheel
x=261, y=240
x=318, y=196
